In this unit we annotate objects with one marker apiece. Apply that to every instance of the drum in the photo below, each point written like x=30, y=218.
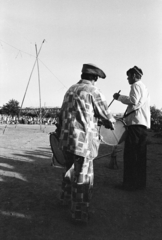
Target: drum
x=57, y=153
x=116, y=136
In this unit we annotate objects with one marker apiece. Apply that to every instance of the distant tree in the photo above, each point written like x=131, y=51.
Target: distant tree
x=156, y=119
x=156, y=114
x=11, y=108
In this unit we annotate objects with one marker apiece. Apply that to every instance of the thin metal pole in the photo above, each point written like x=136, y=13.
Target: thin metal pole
x=4, y=128
x=108, y=154
x=39, y=86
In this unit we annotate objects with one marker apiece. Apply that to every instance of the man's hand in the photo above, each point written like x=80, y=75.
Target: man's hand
x=108, y=124
x=116, y=96
x=99, y=122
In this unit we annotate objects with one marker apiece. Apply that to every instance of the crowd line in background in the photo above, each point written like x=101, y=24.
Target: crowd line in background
x=156, y=124
x=8, y=119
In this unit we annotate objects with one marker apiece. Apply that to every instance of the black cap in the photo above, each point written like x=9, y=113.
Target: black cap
x=138, y=70
x=92, y=69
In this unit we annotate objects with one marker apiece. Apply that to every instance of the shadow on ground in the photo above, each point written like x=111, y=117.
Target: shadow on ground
x=30, y=209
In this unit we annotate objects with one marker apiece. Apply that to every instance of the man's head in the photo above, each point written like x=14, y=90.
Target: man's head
x=134, y=74
x=88, y=76
x=92, y=72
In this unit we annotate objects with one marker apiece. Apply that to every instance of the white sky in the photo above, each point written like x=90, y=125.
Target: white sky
x=115, y=35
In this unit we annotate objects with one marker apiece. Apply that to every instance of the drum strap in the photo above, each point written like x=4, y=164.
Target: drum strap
x=127, y=114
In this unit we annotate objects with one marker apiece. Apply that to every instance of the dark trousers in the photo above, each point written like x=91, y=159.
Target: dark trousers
x=135, y=151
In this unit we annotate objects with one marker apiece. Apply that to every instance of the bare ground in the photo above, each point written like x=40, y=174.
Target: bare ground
x=29, y=206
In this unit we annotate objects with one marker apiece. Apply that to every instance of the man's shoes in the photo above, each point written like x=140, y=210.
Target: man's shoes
x=130, y=188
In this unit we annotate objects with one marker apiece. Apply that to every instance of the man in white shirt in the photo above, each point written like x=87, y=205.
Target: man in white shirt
x=137, y=118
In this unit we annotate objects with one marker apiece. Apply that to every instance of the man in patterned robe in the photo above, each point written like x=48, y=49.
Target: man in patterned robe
x=83, y=106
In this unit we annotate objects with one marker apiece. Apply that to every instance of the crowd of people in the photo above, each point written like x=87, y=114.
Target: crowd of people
x=156, y=125
x=24, y=119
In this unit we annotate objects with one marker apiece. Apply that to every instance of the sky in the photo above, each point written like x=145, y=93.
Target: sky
x=115, y=35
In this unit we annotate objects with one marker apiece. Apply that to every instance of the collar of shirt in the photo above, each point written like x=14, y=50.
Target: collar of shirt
x=85, y=81
x=136, y=83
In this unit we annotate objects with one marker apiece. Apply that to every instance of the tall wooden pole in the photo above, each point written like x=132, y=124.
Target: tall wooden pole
x=39, y=87
x=31, y=74
x=27, y=85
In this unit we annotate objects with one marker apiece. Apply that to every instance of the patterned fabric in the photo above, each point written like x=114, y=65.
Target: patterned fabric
x=83, y=105
x=77, y=185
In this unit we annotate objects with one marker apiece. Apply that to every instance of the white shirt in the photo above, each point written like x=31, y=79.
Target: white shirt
x=139, y=98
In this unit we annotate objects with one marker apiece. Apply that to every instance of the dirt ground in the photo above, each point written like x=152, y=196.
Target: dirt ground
x=29, y=206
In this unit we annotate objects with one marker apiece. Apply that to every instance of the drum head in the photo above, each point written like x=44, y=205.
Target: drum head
x=58, y=154
x=116, y=136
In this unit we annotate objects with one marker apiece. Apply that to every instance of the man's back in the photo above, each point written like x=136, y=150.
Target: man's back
x=82, y=103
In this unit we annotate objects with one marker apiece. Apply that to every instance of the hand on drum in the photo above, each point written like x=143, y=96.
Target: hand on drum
x=108, y=124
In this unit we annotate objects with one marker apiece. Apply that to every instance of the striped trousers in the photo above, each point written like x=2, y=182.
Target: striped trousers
x=77, y=185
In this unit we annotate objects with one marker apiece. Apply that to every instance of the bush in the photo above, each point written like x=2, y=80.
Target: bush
x=156, y=119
